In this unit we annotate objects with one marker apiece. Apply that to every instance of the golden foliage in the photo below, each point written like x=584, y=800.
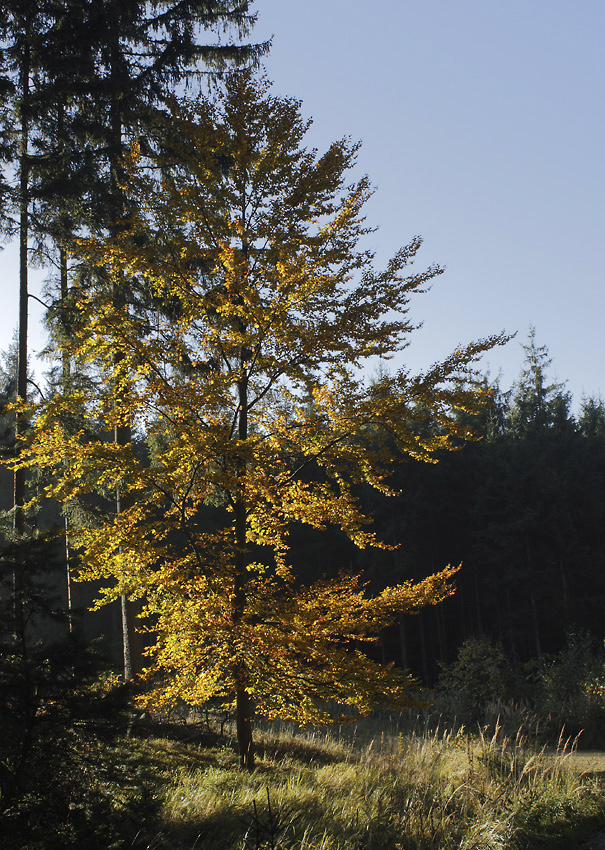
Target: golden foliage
x=243, y=373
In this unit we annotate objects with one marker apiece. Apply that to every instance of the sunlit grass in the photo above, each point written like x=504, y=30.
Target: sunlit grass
x=367, y=786
x=417, y=792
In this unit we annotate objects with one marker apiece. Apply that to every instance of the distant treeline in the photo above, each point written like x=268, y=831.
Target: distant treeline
x=522, y=509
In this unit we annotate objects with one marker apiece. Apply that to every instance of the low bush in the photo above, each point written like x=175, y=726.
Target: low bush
x=570, y=690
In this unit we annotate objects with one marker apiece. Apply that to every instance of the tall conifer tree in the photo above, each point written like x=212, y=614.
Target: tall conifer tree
x=84, y=76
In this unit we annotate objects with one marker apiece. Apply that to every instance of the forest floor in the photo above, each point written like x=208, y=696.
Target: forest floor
x=368, y=786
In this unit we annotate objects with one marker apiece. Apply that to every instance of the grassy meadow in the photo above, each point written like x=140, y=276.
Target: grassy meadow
x=375, y=784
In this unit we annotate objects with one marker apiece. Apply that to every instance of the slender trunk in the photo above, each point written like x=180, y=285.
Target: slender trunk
x=65, y=358
x=243, y=704
x=244, y=708
x=131, y=640
x=126, y=638
x=132, y=643
x=66, y=374
x=403, y=644
x=19, y=475
x=68, y=580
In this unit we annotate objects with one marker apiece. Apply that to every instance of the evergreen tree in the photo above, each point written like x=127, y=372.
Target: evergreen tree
x=80, y=75
x=535, y=404
x=591, y=421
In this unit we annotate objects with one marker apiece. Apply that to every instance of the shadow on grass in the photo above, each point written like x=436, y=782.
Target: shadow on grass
x=93, y=792
x=305, y=752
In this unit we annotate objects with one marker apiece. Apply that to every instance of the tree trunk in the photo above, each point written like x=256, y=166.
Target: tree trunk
x=244, y=708
x=245, y=746
x=131, y=640
x=243, y=703
x=127, y=638
x=19, y=474
x=66, y=374
x=132, y=643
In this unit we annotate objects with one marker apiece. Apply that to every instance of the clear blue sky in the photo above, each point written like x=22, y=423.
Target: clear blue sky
x=483, y=129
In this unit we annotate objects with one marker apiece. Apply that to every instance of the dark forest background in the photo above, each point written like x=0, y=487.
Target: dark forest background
x=521, y=508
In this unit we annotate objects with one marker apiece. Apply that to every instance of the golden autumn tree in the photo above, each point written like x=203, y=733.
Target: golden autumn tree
x=245, y=375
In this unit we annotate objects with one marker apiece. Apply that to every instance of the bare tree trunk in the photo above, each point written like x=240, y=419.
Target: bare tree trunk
x=244, y=708
x=66, y=374
x=19, y=474
x=131, y=641
x=403, y=645
x=126, y=639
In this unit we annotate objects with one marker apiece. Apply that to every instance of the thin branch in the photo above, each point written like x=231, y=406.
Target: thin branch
x=35, y=385
x=39, y=300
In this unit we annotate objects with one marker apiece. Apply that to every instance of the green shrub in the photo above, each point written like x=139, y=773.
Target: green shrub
x=480, y=675
x=570, y=690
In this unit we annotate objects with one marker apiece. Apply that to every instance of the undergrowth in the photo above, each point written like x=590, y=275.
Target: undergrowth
x=365, y=786
x=412, y=792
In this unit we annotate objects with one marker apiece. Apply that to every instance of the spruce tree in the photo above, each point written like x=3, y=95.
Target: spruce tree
x=143, y=51
x=84, y=77
x=535, y=403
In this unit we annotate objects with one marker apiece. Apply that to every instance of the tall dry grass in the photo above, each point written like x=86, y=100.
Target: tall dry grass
x=422, y=791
